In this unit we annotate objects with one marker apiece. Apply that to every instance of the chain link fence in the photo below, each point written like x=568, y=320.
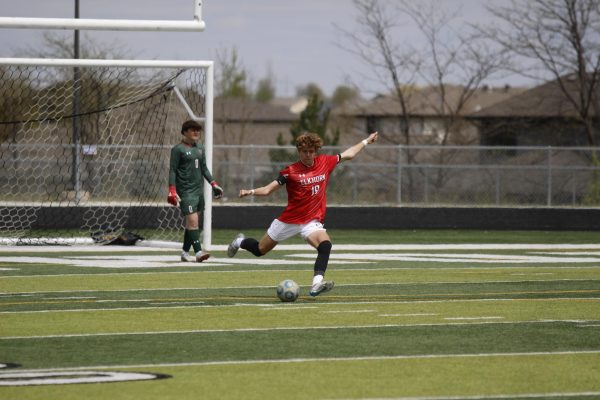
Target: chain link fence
x=469, y=176
x=464, y=176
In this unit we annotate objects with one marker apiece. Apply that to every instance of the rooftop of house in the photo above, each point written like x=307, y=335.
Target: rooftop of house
x=547, y=100
x=425, y=101
x=247, y=110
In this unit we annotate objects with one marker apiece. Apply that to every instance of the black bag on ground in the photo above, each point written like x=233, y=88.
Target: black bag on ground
x=112, y=238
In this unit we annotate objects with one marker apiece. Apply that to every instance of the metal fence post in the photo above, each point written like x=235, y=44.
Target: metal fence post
x=549, y=180
x=399, y=177
x=252, y=169
x=497, y=186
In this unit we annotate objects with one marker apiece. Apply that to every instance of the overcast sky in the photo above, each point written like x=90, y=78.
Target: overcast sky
x=295, y=39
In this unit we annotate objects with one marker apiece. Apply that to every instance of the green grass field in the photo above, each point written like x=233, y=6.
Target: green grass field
x=413, y=315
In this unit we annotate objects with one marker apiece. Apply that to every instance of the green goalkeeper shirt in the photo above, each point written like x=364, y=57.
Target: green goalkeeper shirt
x=187, y=167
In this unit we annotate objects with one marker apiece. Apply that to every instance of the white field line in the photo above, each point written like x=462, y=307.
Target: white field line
x=179, y=302
x=143, y=261
x=332, y=359
x=301, y=247
x=408, y=315
x=574, y=253
x=112, y=261
x=303, y=328
x=31, y=294
x=471, y=270
x=471, y=318
x=489, y=396
x=288, y=307
x=577, y=299
x=533, y=273
x=451, y=257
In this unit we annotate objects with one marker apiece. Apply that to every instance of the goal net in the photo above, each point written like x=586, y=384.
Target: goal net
x=85, y=146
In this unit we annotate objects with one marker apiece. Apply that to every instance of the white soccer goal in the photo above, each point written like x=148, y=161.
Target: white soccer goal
x=85, y=145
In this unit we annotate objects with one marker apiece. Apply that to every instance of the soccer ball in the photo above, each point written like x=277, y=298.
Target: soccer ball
x=288, y=290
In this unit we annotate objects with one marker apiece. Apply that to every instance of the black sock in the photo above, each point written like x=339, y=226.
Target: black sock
x=322, y=257
x=251, y=245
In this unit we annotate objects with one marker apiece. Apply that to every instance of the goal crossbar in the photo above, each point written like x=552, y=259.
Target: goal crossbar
x=65, y=62
x=196, y=24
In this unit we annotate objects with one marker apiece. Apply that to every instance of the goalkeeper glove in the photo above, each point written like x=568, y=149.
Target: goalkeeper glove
x=173, y=197
x=217, y=190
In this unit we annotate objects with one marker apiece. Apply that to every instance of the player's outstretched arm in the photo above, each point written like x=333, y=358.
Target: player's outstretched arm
x=351, y=152
x=261, y=191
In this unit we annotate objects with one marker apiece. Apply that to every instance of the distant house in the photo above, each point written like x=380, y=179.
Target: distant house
x=238, y=125
x=541, y=116
x=245, y=121
x=431, y=120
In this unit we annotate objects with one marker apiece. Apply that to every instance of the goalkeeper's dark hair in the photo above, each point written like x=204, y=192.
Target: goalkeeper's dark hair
x=190, y=124
x=309, y=140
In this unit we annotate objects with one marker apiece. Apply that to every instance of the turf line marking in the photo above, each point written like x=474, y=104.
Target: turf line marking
x=345, y=303
x=30, y=294
x=408, y=315
x=452, y=258
x=470, y=318
x=347, y=311
x=294, y=247
x=298, y=328
x=317, y=359
x=153, y=262
x=533, y=273
x=287, y=308
x=470, y=270
x=490, y=396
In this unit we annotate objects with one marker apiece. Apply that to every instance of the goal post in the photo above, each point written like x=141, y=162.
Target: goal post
x=85, y=146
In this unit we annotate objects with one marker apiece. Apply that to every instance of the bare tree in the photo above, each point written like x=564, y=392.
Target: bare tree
x=559, y=38
x=445, y=56
x=451, y=56
x=448, y=56
x=393, y=66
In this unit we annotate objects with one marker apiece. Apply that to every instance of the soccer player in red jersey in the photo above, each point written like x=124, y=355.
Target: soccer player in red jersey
x=306, y=183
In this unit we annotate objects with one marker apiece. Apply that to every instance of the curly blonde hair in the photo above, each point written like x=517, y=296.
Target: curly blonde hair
x=309, y=140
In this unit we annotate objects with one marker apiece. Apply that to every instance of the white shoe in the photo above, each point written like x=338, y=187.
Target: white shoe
x=202, y=256
x=234, y=246
x=321, y=287
x=187, y=258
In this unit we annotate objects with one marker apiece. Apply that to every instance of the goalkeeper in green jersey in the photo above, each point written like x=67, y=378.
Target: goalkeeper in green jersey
x=186, y=173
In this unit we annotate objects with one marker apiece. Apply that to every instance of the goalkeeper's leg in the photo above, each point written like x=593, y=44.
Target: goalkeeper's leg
x=187, y=244
x=192, y=225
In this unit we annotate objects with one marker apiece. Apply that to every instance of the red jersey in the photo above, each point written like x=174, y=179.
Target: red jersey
x=306, y=187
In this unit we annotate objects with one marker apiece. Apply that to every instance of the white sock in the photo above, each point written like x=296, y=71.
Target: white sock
x=238, y=242
x=317, y=279
x=184, y=253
